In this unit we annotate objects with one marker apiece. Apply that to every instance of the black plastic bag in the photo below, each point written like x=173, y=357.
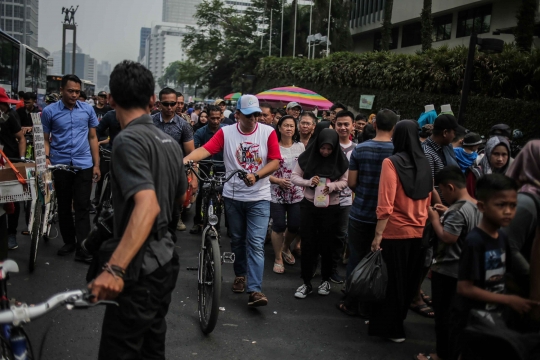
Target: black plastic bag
x=367, y=282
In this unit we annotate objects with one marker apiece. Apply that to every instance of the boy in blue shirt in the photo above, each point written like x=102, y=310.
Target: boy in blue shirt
x=467, y=153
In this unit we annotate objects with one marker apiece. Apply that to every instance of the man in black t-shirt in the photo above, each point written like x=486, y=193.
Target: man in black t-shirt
x=25, y=112
x=147, y=179
x=14, y=146
x=101, y=108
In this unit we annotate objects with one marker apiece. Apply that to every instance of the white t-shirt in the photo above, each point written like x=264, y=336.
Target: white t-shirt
x=227, y=113
x=345, y=195
x=289, y=158
x=249, y=152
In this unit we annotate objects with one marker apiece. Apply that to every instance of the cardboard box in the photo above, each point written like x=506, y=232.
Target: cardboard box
x=7, y=174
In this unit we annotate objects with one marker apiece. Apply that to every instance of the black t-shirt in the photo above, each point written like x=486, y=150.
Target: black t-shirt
x=145, y=158
x=8, y=129
x=483, y=261
x=101, y=112
x=24, y=116
x=109, y=124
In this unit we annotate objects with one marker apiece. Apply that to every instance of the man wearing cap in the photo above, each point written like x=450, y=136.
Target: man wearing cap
x=253, y=148
x=225, y=113
x=14, y=145
x=101, y=108
x=294, y=109
x=467, y=153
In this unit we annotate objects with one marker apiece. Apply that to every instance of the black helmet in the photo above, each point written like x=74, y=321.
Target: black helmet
x=501, y=130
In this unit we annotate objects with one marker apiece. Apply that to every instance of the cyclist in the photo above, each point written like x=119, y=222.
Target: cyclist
x=255, y=149
x=78, y=148
x=147, y=177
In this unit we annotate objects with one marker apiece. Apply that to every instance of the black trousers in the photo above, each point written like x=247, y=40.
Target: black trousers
x=136, y=329
x=443, y=290
x=342, y=226
x=13, y=219
x=3, y=237
x=404, y=260
x=104, y=167
x=318, y=227
x=73, y=189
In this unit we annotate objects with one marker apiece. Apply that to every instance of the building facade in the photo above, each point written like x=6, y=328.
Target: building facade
x=86, y=67
x=145, y=32
x=180, y=11
x=19, y=18
x=453, y=22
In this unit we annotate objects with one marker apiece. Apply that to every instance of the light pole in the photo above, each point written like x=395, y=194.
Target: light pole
x=294, y=37
x=484, y=45
x=310, y=17
x=270, y=34
x=282, y=14
x=328, y=32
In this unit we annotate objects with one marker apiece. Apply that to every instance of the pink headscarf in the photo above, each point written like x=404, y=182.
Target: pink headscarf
x=526, y=168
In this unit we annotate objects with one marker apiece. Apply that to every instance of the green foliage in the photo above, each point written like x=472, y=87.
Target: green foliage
x=525, y=24
x=387, y=25
x=427, y=25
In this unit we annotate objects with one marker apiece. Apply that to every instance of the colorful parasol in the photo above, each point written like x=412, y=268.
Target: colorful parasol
x=283, y=95
x=233, y=96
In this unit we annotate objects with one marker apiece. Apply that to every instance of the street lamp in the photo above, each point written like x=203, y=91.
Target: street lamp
x=485, y=45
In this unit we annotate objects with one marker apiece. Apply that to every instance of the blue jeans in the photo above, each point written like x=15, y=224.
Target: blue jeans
x=248, y=223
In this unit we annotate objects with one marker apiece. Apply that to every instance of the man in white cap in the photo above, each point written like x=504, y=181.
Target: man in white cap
x=294, y=109
x=254, y=148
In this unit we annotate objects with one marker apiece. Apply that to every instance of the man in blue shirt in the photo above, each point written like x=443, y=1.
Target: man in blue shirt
x=69, y=128
x=202, y=136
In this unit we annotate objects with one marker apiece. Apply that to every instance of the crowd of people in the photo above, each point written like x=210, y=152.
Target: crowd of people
x=436, y=200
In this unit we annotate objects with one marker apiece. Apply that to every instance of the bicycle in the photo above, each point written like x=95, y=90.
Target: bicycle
x=210, y=257
x=14, y=342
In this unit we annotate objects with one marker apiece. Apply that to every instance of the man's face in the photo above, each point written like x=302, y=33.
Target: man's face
x=180, y=104
x=294, y=112
x=306, y=125
x=4, y=107
x=222, y=106
x=70, y=93
x=248, y=121
x=214, y=119
x=29, y=104
x=448, y=135
x=102, y=100
x=266, y=117
x=333, y=114
x=168, y=104
x=344, y=126
x=360, y=125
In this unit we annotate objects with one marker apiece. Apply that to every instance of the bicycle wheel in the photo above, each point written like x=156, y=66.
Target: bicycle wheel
x=36, y=230
x=51, y=217
x=210, y=289
x=5, y=350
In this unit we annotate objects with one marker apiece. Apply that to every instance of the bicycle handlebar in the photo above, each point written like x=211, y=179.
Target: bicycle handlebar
x=63, y=167
x=241, y=173
x=19, y=160
x=74, y=299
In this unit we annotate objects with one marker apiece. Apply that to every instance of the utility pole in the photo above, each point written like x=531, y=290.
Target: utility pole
x=294, y=35
x=282, y=14
x=328, y=33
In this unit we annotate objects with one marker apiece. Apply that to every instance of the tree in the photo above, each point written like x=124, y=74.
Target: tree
x=427, y=25
x=386, y=37
x=525, y=24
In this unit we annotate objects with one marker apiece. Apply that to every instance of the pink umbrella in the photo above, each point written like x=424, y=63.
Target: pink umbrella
x=283, y=95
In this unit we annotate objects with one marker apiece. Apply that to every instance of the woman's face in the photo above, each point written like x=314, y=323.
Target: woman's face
x=287, y=128
x=326, y=150
x=499, y=157
x=277, y=117
x=203, y=118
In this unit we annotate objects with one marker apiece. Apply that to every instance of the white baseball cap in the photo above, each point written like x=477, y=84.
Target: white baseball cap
x=248, y=104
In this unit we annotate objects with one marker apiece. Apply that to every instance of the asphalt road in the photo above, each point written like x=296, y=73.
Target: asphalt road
x=287, y=328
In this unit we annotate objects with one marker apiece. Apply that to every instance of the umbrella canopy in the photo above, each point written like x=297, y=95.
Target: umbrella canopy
x=233, y=96
x=284, y=95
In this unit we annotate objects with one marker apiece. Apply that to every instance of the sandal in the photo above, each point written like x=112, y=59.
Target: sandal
x=425, y=355
x=423, y=310
x=341, y=307
x=278, y=268
x=427, y=299
x=25, y=232
x=288, y=258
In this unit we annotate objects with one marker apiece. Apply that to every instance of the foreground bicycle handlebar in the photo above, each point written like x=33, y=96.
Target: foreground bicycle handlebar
x=74, y=299
x=216, y=179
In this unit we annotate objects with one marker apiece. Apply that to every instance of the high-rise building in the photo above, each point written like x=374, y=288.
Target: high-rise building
x=103, y=73
x=85, y=65
x=145, y=32
x=180, y=11
x=20, y=19
x=163, y=46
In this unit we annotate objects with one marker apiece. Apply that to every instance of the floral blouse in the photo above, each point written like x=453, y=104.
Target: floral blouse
x=289, y=158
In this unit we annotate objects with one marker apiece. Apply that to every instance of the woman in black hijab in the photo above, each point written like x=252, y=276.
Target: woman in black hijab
x=322, y=161
x=402, y=211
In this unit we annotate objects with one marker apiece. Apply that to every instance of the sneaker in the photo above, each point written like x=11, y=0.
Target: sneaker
x=239, y=285
x=181, y=226
x=196, y=229
x=324, y=288
x=336, y=278
x=303, y=291
x=67, y=249
x=12, y=242
x=257, y=299
x=83, y=256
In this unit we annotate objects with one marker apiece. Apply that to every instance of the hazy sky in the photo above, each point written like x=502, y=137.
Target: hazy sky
x=107, y=29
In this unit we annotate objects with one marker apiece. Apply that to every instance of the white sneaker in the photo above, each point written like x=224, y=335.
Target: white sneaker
x=324, y=288
x=181, y=226
x=303, y=291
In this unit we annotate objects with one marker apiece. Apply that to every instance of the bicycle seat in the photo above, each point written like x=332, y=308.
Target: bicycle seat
x=8, y=266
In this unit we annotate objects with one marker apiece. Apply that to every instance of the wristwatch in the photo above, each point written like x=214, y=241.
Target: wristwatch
x=47, y=157
x=256, y=177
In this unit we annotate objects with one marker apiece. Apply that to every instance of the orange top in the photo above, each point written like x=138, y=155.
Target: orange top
x=406, y=217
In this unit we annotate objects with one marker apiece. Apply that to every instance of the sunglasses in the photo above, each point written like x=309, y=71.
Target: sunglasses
x=169, y=104
x=255, y=114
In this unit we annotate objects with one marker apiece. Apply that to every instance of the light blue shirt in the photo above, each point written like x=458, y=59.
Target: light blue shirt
x=68, y=130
